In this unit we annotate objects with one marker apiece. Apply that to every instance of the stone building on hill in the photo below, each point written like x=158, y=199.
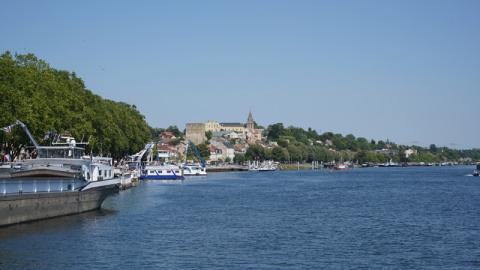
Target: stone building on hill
x=196, y=131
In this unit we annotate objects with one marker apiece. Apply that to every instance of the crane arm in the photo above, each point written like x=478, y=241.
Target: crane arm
x=25, y=128
x=197, y=153
x=139, y=155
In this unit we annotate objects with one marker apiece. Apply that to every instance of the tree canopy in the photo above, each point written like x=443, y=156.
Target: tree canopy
x=296, y=144
x=47, y=99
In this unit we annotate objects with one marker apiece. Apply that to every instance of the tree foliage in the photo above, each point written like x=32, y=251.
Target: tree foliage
x=299, y=145
x=47, y=99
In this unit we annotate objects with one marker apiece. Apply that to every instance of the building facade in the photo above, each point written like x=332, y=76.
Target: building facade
x=214, y=126
x=195, y=132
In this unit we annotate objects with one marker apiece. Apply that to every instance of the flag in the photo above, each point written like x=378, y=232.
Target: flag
x=7, y=129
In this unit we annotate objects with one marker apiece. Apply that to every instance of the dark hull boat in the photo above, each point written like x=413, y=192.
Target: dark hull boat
x=42, y=204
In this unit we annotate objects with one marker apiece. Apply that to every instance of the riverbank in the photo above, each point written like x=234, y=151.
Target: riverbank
x=293, y=167
x=226, y=168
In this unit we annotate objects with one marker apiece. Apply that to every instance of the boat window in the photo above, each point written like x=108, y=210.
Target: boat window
x=100, y=172
x=169, y=171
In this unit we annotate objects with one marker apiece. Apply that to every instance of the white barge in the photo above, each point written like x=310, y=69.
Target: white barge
x=61, y=181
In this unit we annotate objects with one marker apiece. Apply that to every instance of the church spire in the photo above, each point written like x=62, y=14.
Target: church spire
x=250, y=121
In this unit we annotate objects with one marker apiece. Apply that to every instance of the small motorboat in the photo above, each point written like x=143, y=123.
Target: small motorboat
x=340, y=167
x=193, y=170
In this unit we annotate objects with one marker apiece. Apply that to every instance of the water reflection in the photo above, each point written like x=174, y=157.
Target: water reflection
x=56, y=224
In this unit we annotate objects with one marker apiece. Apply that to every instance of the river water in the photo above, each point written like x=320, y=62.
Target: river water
x=378, y=218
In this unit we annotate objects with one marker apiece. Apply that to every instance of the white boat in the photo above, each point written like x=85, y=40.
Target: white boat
x=390, y=163
x=60, y=181
x=64, y=159
x=193, y=170
x=161, y=172
x=340, y=167
x=265, y=166
x=53, y=161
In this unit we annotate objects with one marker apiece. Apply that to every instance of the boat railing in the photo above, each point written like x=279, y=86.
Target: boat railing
x=102, y=160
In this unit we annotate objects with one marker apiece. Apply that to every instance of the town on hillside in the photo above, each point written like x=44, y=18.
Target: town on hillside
x=218, y=142
x=235, y=142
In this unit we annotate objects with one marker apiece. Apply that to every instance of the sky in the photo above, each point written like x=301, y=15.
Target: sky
x=407, y=71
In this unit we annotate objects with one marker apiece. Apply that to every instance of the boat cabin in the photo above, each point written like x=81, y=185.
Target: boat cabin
x=60, y=152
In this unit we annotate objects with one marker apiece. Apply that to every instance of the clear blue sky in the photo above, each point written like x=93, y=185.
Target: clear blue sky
x=404, y=70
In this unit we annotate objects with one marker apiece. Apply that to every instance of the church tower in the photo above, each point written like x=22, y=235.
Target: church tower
x=250, y=121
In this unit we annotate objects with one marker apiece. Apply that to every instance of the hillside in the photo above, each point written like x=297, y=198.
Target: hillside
x=293, y=144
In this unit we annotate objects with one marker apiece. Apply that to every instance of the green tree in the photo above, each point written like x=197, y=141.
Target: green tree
x=239, y=158
x=280, y=154
x=295, y=153
x=275, y=131
x=209, y=135
x=362, y=157
x=175, y=131
x=255, y=152
x=202, y=149
x=47, y=99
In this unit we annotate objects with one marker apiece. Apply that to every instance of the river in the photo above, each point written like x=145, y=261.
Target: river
x=376, y=218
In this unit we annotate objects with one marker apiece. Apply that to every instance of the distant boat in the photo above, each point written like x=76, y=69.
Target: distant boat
x=193, y=170
x=265, y=166
x=267, y=169
x=340, y=167
x=476, y=172
x=390, y=163
x=161, y=172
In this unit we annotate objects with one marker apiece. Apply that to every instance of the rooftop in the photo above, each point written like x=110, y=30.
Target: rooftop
x=232, y=124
